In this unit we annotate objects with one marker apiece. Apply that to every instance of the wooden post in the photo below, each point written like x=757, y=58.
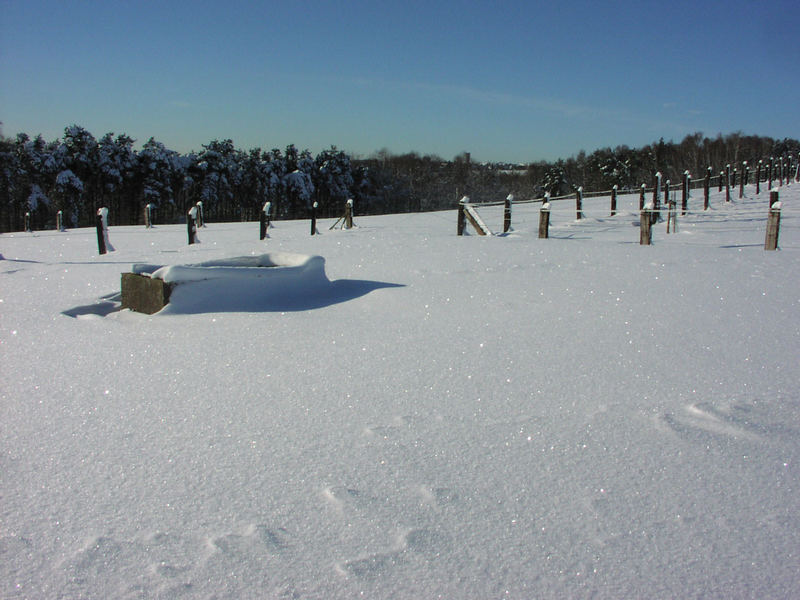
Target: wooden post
x=771, y=167
x=758, y=177
x=657, y=190
x=262, y=222
x=666, y=201
x=645, y=227
x=544, y=218
x=743, y=180
x=614, y=200
x=28, y=224
x=200, y=221
x=148, y=215
x=314, y=218
x=579, y=203
x=641, y=197
x=655, y=213
x=727, y=183
x=462, y=218
x=773, y=221
x=191, y=228
x=734, y=173
x=101, y=241
x=507, y=213
x=60, y=221
x=685, y=196
x=348, y=214
x=672, y=217
x=721, y=177
x=706, y=189
x=780, y=173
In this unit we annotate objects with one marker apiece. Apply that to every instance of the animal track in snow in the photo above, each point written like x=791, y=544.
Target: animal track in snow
x=387, y=431
x=256, y=538
x=428, y=543
x=704, y=420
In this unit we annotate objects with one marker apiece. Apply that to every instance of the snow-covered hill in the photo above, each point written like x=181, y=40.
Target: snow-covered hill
x=454, y=417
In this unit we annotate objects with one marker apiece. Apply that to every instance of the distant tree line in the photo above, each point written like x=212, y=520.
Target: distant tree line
x=79, y=173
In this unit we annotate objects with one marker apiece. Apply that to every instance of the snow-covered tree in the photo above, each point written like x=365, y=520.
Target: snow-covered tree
x=332, y=178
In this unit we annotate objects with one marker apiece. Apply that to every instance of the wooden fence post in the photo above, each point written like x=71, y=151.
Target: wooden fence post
x=191, y=228
x=706, y=189
x=672, y=217
x=263, y=221
x=314, y=218
x=579, y=203
x=101, y=243
x=348, y=214
x=200, y=221
x=507, y=213
x=685, y=196
x=758, y=177
x=462, y=217
x=60, y=221
x=645, y=227
x=773, y=221
x=641, y=197
x=28, y=223
x=148, y=215
x=655, y=213
x=544, y=218
x=727, y=183
x=666, y=196
x=743, y=181
x=721, y=177
x=614, y=200
x=771, y=168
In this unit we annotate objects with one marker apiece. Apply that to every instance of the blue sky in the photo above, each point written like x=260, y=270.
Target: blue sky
x=507, y=81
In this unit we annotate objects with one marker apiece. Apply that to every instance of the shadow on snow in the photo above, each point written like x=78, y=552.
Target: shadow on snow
x=237, y=296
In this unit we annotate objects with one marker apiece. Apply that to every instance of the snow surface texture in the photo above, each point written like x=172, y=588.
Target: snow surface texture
x=458, y=417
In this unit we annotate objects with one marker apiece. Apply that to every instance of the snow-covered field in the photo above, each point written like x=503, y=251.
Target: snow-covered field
x=443, y=416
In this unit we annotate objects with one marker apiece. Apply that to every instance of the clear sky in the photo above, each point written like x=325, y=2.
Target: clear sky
x=514, y=81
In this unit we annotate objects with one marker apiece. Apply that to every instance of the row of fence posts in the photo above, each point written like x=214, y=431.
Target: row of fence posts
x=649, y=213
x=648, y=216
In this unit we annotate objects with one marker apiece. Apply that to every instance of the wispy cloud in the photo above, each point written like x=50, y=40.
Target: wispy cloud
x=569, y=110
